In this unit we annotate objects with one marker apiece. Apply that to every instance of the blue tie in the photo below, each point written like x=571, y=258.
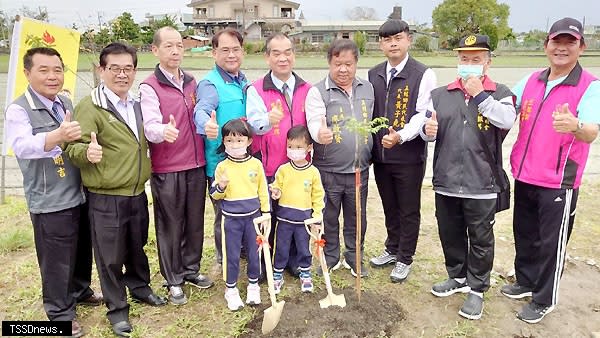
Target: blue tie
x=56, y=108
x=392, y=73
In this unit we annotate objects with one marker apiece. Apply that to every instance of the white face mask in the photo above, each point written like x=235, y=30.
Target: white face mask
x=296, y=154
x=236, y=152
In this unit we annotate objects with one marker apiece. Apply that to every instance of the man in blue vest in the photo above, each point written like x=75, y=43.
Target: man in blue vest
x=221, y=97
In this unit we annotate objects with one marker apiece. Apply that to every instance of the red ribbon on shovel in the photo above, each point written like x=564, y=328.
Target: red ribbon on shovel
x=260, y=241
x=319, y=244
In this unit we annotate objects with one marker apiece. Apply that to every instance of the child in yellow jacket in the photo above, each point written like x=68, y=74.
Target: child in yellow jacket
x=298, y=188
x=241, y=184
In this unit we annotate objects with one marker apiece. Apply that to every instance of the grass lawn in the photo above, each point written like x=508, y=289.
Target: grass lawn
x=206, y=314
x=316, y=61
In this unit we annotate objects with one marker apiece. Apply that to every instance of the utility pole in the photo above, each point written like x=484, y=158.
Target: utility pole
x=243, y=16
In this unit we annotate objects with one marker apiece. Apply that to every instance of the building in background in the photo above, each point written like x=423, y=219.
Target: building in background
x=256, y=18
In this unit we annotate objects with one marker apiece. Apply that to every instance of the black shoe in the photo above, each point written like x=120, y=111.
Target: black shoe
x=533, y=312
x=152, y=300
x=472, y=307
x=122, y=329
x=200, y=281
x=93, y=300
x=516, y=291
x=449, y=287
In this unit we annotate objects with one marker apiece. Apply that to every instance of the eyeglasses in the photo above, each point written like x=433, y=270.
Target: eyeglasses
x=116, y=70
x=226, y=51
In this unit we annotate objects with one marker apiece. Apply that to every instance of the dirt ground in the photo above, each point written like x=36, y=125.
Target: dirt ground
x=303, y=318
x=386, y=309
x=410, y=310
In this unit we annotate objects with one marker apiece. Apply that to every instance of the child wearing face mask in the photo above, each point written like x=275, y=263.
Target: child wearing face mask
x=241, y=184
x=298, y=188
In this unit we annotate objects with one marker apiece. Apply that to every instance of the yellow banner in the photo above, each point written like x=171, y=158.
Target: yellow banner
x=34, y=33
x=29, y=33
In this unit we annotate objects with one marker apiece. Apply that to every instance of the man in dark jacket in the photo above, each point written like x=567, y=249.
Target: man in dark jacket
x=469, y=110
x=402, y=88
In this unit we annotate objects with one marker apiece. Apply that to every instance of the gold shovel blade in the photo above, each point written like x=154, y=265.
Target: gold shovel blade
x=333, y=299
x=272, y=316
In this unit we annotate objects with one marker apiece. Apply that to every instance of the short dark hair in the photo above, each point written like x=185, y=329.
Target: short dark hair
x=156, y=37
x=117, y=48
x=277, y=35
x=235, y=127
x=393, y=27
x=28, y=58
x=340, y=45
x=299, y=132
x=234, y=33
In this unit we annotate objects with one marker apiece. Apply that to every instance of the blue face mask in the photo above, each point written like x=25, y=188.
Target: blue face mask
x=464, y=71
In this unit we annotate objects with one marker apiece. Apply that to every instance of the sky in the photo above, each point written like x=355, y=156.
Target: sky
x=83, y=13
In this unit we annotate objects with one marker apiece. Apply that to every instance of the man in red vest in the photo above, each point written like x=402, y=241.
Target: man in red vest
x=178, y=180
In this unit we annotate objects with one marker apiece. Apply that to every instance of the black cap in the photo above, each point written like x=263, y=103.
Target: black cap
x=566, y=26
x=474, y=42
x=392, y=27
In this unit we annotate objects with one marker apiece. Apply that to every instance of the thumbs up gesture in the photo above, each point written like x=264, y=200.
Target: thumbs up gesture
x=211, y=128
x=94, y=151
x=431, y=125
x=391, y=139
x=69, y=130
x=276, y=113
x=563, y=121
x=325, y=134
x=171, y=132
x=222, y=179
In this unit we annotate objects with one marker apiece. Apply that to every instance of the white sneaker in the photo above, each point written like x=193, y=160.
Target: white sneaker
x=234, y=302
x=253, y=296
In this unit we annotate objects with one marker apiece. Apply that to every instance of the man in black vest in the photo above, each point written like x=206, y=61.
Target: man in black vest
x=467, y=118
x=402, y=94
x=37, y=124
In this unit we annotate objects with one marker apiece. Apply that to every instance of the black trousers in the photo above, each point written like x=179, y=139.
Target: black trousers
x=542, y=224
x=64, y=253
x=179, y=199
x=399, y=186
x=216, y=204
x=340, y=193
x=119, y=234
x=466, y=231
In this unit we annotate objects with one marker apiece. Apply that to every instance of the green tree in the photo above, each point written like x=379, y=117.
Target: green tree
x=535, y=37
x=147, y=32
x=492, y=32
x=453, y=19
x=423, y=43
x=124, y=28
x=360, y=38
x=103, y=37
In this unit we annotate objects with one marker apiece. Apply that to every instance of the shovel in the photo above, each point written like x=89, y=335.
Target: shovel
x=331, y=298
x=272, y=314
